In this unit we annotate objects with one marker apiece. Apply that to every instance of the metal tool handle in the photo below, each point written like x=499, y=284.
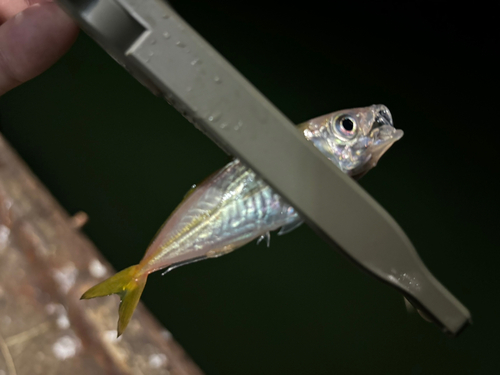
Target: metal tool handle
x=162, y=51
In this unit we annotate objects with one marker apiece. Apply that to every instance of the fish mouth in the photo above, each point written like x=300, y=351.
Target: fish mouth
x=381, y=137
x=383, y=133
x=382, y=115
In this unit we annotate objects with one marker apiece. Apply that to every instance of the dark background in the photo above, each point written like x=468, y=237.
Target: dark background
x=103, y=144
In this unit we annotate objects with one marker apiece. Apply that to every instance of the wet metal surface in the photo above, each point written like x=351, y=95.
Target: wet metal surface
x=221, y=103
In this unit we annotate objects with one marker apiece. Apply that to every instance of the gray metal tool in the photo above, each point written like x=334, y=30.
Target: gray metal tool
x=163, y=52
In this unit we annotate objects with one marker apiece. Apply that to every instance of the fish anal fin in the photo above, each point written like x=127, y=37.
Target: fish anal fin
x=290, y=226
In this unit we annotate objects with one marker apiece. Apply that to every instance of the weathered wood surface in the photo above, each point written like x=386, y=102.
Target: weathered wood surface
x=46, y=264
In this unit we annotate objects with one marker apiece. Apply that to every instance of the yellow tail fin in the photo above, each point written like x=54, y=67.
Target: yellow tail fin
x=128, y=284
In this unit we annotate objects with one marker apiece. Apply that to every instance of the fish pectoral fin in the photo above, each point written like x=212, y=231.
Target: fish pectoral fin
x=290, y=226
x=409, y=307
x=219, y=252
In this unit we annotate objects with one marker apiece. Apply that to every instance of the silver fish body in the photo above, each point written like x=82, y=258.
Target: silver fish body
x=225, y=212
x=235, y=206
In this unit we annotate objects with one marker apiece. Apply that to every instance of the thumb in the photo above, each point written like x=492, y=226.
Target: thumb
x=31, y=41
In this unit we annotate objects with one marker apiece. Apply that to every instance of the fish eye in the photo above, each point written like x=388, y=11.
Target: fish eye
x=346, y=126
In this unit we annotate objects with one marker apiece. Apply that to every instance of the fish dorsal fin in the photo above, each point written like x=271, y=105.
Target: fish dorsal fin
x=290, y=226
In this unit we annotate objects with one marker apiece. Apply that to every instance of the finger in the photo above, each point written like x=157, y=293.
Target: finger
x=31, y=41
x=9, y=8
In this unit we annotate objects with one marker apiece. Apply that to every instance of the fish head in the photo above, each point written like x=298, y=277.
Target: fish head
x=354, y=139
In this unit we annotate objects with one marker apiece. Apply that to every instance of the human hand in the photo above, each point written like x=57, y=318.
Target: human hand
x=34, y=34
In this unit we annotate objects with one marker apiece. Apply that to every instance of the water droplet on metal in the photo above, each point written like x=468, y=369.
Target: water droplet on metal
x=189, y=88
x=195, y=61
x=165, y=15
x=217, y=79
x=152, y=41
x=148, y=57
x=166, y=35
x=180, y=44
x=214, y=117
x=223, y=125
x=238, y=125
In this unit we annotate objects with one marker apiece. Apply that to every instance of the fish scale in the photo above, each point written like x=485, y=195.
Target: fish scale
x=228, y=220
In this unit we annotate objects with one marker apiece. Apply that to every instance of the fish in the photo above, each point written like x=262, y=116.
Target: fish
x=234, y=205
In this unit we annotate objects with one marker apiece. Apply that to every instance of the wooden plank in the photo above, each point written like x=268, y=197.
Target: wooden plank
x=46, y=264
